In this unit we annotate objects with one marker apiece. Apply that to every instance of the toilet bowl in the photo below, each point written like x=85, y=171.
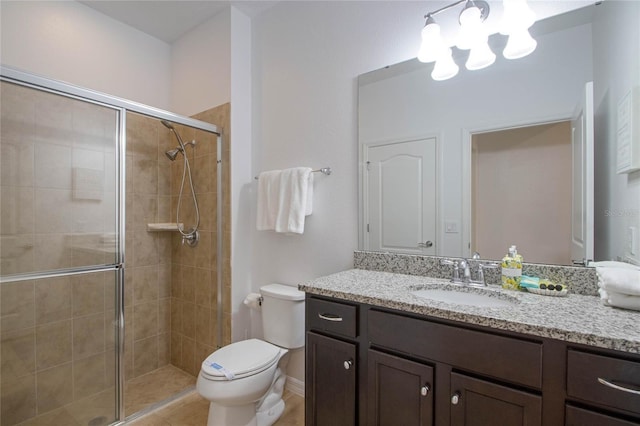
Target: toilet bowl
x=244, y=381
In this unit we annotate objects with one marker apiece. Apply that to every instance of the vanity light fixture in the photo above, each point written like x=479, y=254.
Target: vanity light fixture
x=474, y=36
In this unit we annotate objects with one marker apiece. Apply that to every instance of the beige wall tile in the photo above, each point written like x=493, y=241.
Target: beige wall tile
x=54, y=387
x=176, y=349
x=145, y=175
x=188, y=284
x=53, y=300
x=145, y=355
x=51, y=251
x=18, y=400
x=88, y=335
x=17, y=354
x=53, y=344
x=164, y=349
x=145, y=248
x=176, y=316
x=17, y=210
x=89, y=376
x=203, y=325
x=164, y=315
x=142, y=135
x=145, y=320
x=145, y=210
x=17, y=305
x=145, y=284
x=189, y=356
x=189, y=320
x=164, y=279
x=53, y=208
x=88, y=294
x=52, y=166
x=202, y=284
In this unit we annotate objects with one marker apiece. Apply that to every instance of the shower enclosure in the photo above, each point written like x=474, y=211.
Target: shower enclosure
x=94, y=302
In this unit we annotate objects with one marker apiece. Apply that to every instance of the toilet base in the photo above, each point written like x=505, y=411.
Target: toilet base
x=243, y=415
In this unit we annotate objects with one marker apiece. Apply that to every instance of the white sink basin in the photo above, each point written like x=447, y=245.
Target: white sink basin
x=475, y=297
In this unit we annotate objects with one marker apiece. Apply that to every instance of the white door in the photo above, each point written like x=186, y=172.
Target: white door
x=400, y=200
x=582, y=182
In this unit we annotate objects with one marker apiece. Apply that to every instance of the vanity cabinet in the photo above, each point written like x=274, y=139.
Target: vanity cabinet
x=400, y=391
x=476, y=402
x=331, y=363
x=409, y=369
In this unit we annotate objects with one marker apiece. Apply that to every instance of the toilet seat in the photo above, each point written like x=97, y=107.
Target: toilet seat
x=242, y=359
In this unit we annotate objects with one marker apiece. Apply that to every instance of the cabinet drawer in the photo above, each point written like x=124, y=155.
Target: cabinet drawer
x=581, y=417
x=332, y=317
x=588, y=375
x=510, y=359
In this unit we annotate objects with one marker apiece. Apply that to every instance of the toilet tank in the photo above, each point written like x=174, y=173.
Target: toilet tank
x=283, y=315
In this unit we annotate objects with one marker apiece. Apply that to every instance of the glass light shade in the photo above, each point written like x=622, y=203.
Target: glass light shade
x=519, y=45
x=470, y=27
x=480, y=57
x=432, y=45
x=516, y=16
x=445, y=68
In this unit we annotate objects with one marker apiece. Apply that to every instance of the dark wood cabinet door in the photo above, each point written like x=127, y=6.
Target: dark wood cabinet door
x=476, y=402
x=400, y=392
x=330, y=383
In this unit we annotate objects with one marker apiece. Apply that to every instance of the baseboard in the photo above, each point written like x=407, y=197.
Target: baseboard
x=295, y=386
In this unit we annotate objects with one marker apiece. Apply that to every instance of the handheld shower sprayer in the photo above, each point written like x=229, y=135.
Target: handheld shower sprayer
x=191, y=236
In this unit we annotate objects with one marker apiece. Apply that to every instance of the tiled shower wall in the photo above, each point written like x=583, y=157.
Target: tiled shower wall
x=194, y=292
x=56, y=334
x=148, y=254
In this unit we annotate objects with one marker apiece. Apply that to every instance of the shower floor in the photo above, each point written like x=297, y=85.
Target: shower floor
x=154, y=387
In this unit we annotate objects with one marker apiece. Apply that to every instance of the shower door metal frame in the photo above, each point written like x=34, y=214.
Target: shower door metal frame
x=122, y=106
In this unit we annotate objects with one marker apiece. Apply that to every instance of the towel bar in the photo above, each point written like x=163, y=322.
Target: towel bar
x=323, y=170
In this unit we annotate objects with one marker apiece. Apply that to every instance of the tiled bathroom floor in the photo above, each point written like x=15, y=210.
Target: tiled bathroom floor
x=155, y=386
x=192, y=410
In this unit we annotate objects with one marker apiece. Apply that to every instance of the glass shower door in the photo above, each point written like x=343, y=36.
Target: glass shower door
x=59, y=258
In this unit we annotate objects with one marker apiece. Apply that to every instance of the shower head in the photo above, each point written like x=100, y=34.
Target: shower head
x=167, y=124
x=173, y=153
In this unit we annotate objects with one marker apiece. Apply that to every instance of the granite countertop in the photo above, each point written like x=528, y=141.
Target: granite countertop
x=574, y=318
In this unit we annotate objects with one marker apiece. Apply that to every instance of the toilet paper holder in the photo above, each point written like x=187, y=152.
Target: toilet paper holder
x=253, y=300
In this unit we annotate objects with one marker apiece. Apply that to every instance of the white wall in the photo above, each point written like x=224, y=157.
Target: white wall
x=546, y=85
x=68, y=41
x=616, y=38
x=200, y=66
x=307, y=56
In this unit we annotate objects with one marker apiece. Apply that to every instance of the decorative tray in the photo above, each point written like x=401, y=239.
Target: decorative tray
x=546, y=292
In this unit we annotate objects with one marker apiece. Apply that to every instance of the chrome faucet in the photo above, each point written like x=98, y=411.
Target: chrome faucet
x=462, y=267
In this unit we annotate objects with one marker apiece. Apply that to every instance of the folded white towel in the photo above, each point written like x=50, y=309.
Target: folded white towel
x=295, y=199
x=614, y=264
x=618, y=300
x=268, y=200
x=619, y=280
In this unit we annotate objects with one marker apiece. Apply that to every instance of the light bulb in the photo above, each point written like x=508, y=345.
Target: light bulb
x=519, y=45
x=470, y=27
x=432, y=44
x=445, y=68
x=516, y=16
x=480, y=57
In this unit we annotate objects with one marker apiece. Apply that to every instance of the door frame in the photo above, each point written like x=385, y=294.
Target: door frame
x=467, y=135
x=363, y=184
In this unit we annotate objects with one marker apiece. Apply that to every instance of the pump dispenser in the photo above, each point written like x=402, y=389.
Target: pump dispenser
x=512, y=269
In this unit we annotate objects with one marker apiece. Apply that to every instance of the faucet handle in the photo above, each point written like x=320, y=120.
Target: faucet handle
x=455, y=276
x=481, y=267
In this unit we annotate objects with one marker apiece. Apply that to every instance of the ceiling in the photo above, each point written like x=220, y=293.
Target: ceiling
x=169, y=20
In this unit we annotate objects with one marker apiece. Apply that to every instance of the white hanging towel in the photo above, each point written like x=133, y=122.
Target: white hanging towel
x=268, y=200
x=296, y=199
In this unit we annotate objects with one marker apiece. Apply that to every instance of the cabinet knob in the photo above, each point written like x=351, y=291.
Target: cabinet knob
x=424, y=391
x=455, y=398
x=348, y=364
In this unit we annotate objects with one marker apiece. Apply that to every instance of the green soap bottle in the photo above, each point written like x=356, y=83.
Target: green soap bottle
x=512, y=269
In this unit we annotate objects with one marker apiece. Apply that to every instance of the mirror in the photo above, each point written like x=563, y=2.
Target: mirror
x=418, y=172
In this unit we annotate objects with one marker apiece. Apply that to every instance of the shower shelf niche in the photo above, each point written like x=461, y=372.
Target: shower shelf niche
x=161, y=227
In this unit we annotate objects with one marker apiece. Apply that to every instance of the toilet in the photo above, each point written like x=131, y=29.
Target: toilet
x=244, y=381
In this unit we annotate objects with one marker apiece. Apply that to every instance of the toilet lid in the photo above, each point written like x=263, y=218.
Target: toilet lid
x=240, y=359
